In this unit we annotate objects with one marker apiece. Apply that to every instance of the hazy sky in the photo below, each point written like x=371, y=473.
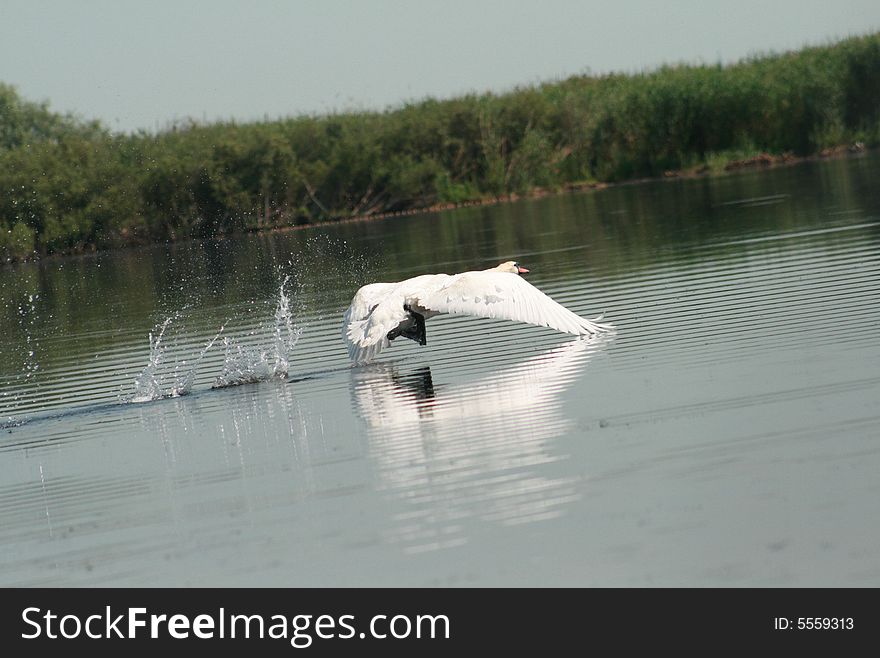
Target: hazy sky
x=141, y=64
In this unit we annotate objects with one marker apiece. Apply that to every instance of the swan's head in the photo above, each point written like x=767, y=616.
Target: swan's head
x=511, y=266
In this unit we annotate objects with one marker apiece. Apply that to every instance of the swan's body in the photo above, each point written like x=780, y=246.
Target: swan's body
x=381, y=312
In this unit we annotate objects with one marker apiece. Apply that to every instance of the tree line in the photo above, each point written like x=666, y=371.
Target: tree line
x=70, y=185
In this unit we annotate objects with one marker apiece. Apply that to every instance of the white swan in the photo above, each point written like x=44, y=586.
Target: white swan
x=381, y=312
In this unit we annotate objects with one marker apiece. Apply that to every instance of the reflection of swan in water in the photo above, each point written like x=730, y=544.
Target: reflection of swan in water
x=477, y=450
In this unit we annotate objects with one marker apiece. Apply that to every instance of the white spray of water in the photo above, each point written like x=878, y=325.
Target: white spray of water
x=183, y=385
x=242, y=364
x=250, y=364
x=27, y=316
x=148, y=384
x=286, y=332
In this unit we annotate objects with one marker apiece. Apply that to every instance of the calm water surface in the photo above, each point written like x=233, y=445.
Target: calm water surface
x=186, y=414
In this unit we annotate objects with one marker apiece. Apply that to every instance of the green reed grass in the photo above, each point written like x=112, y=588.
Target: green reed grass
x=70, y=185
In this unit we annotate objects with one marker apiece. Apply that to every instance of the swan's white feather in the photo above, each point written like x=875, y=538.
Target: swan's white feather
x=505, y=296
x=378, y=308
x=359, y=325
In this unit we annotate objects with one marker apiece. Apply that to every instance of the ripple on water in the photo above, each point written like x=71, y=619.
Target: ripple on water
x=735, y=409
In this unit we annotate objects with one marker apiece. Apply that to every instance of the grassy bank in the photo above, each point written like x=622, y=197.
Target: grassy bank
x=68, y=185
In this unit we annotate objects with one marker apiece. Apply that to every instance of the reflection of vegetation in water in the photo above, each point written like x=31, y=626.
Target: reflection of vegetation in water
x=100, y=297
x=69, y=185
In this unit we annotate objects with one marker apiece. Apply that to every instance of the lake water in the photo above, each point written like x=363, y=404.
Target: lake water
x=186, y=414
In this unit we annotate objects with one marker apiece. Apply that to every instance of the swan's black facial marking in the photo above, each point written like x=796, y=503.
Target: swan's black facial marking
x=520, y=269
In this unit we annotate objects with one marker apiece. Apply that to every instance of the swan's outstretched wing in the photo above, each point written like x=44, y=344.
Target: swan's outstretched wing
x=506, y=296
x=375, y=310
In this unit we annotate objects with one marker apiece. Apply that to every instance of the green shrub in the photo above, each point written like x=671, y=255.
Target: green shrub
x=66, y=184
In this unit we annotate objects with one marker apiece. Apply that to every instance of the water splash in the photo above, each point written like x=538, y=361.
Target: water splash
x=183, y=385
x=250, y=364
x=242, y=363
x=286, y=332
x=26, y=312
x=148, y=384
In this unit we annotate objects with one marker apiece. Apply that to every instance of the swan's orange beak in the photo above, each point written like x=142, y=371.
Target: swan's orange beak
x=521, y=270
